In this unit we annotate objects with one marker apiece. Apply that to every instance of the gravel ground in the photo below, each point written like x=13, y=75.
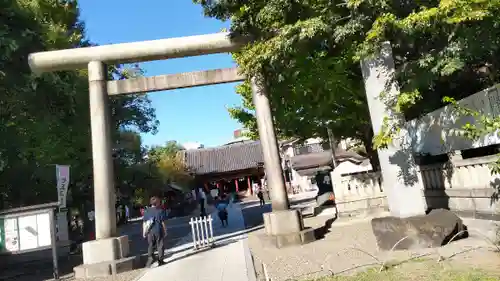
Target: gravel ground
x=419, y=270
x=348, y=247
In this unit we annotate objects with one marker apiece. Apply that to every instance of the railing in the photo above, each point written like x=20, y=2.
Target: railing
x=203, y=232
x=473, y=173
x=359, y=194
x=464, y=185
x=358, y=186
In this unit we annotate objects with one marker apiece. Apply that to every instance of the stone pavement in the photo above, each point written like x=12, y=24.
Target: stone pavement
x=229, y=260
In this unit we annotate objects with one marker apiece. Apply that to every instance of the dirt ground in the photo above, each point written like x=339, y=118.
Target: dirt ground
x=420, y=270
x=349, y=247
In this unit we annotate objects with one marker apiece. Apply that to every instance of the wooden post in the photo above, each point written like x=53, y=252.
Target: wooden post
x=236, y=184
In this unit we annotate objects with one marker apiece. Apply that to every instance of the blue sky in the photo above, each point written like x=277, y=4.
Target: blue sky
x=186, y=115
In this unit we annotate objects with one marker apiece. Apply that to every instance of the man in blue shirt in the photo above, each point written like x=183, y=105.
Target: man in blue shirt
x=155, y=218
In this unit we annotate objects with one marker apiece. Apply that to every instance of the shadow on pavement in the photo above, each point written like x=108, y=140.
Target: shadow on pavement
x=42, y=270
x=194, y=252
x=252, y=213
x=320, y=232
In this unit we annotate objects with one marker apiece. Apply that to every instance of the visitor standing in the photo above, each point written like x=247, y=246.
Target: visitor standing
x=127, y=214
x=154, y=229
x=222, y=211
x=255, y=187
x=202, y=198
x=260, y=195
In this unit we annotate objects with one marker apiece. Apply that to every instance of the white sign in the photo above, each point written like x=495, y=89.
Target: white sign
x=43, y=230
x=28, y=232
x=62, y=174
x=11, y=235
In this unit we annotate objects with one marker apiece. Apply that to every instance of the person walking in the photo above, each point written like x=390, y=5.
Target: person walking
x=222, y=211
x=127, y=214
x=202, y=198
x=154, y=229
x=260, y=195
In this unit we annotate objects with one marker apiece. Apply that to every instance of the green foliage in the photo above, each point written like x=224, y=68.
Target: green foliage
x=309, y=53
x=45, y=120
x=442, y=49
x=484, y=124
x=170, y=149
x=162, y=165
x=169, y=163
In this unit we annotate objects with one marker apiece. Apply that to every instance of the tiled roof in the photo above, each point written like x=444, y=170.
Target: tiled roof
x=222, y=159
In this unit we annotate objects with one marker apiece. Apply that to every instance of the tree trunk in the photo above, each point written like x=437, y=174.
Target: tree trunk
x=370, y=151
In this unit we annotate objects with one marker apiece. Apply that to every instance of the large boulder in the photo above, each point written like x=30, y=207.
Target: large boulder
x=427, y=231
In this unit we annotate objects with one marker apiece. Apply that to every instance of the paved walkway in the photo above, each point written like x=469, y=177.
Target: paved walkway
x=229, y=261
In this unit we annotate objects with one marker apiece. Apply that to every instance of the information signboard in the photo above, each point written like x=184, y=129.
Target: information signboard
x=25, y=232
x=27, y=229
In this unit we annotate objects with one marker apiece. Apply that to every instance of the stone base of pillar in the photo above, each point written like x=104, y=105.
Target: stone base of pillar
x=105, y=257
x=286, y=228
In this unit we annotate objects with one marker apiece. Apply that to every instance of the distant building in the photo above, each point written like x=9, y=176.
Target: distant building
x=303, y=159
x=239, y=163
x=192, y=145
x=231, y=167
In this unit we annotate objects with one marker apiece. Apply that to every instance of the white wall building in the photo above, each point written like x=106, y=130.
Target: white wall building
x=192, y=145
x=305, y=158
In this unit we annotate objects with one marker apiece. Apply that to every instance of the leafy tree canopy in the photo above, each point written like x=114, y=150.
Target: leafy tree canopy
x=45, y=119
x=169, y=149
x=308, y=53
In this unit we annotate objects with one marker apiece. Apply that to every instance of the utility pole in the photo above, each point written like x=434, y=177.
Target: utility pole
x=331, y=139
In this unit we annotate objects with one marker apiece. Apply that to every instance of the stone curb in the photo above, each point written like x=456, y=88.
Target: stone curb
x=251, y=273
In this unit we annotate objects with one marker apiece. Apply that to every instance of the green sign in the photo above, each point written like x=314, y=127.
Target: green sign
x=2, y=235
x=9, y=235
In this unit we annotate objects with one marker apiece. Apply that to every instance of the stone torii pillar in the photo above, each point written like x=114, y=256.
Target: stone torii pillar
x=401, y=180
x=283, y=226
x=108, y=248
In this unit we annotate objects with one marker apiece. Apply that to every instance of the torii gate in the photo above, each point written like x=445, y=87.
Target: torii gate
x=282, y=223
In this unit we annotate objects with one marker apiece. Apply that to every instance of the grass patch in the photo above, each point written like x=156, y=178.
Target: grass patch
x=419, y=271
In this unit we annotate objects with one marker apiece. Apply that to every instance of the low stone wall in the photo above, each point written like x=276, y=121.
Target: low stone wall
x=359, y=194
x=472, y=203
x=465, y=186
x=362, y=206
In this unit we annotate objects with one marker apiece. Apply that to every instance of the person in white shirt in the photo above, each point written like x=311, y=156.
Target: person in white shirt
x=255, y=187
x=202, y=198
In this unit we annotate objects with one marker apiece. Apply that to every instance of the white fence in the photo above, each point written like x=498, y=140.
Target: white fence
x=464, y=185
x=359, y=194
x=473, y=173
x=359, y=186
x=203, y=231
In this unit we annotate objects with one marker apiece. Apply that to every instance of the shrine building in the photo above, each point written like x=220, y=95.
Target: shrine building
x=232, y=167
